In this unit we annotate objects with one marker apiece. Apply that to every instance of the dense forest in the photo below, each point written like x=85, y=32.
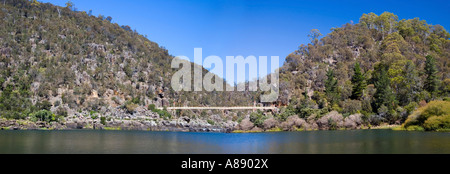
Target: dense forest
x=57, y=62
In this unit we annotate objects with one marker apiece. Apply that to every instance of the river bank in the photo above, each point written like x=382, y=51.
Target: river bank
x=180, y=125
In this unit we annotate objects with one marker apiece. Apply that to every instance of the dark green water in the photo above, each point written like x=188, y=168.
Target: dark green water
x=136, y=142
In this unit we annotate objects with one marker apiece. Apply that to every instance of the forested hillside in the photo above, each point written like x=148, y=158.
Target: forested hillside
x=67, y=61
x=382, y=67
x=58, y=64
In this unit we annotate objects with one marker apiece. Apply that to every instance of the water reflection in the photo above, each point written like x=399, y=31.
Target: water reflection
x=136, y=142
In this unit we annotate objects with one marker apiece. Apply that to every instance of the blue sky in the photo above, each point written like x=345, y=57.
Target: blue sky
x=248, y=27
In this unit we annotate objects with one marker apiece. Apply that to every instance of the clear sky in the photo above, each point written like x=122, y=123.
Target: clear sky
x=248, y=27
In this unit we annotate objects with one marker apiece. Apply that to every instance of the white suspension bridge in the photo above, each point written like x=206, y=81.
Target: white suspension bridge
x=221, y=108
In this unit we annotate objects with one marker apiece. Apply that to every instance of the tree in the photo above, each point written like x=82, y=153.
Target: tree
x=314, y=35
x=410, y=87
x=386, y=23
x=331, y=88
x=359, y=83
x=100, y=16
x=109, y=18
x=383, y=95
x=431, y=82
x=368, y=20
x=35, y=3
x=392, y=48
x=70, y=4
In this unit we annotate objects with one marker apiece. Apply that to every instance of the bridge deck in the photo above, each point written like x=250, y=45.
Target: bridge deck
x=220, y=108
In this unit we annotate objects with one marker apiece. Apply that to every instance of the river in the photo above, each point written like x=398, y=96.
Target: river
x=141, y=142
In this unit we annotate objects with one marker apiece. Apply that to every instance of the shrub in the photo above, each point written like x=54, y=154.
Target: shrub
x=44, y=105
x=211, y=122
x=375, y=119
x=103, y=120
x=257, y=119
x=433, y=116
x=136, y=100
x=351, y=106
x=163, y=114
x=94, y=116
x=131, y=107
x=435, y=108
x=151, y=107
x=61, y=111
x=415, y=128
x=411, y=107
x=43, y=115
x=57, y=103
x=437, y=122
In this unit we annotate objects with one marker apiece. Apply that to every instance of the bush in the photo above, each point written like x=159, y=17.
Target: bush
x=61, y=111
x=446, y=99
x=415, y=128
x=411, y=107
x=136, y=100
x=375, y=120
x=131, y=107
x=163, y=114
x=151, y=107
x=351, y=106
x=432, y=117
x=103, y=120
x=211, y=122
x=257, y=119
x=44, y=105
x=44, y=115
x=437, y=122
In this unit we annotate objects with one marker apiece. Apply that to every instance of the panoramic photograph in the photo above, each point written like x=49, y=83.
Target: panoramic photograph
x=224, y=77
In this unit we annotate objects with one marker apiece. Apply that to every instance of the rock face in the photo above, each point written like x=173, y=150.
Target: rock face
x=353, y=121
x=270, y=123
x=245, y=125
x=292, y=123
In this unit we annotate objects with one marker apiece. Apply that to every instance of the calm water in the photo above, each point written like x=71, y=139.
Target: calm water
x=135, y=142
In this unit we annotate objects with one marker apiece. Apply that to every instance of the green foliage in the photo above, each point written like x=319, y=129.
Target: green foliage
x=431, y=82
x=359, y=83
x=434, y=116
x=411, y=107
x=131, y=107
x=384, y=95
x=162, y=113
x=211, y=122
x=435, y=123
x=44, y=105
x=331, y=87
x=61, y=112
x=286, y=112
x=44, y=115
x=415, y=128
x=151, y=107
x=258, y=118
x=69, y=4
x=93, y=114
x=136, y=100
x=103, y=120
x=15, y=102
x=351, y=106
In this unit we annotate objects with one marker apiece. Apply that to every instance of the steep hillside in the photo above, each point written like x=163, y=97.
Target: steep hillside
x=69, y=62
x=381, y=67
